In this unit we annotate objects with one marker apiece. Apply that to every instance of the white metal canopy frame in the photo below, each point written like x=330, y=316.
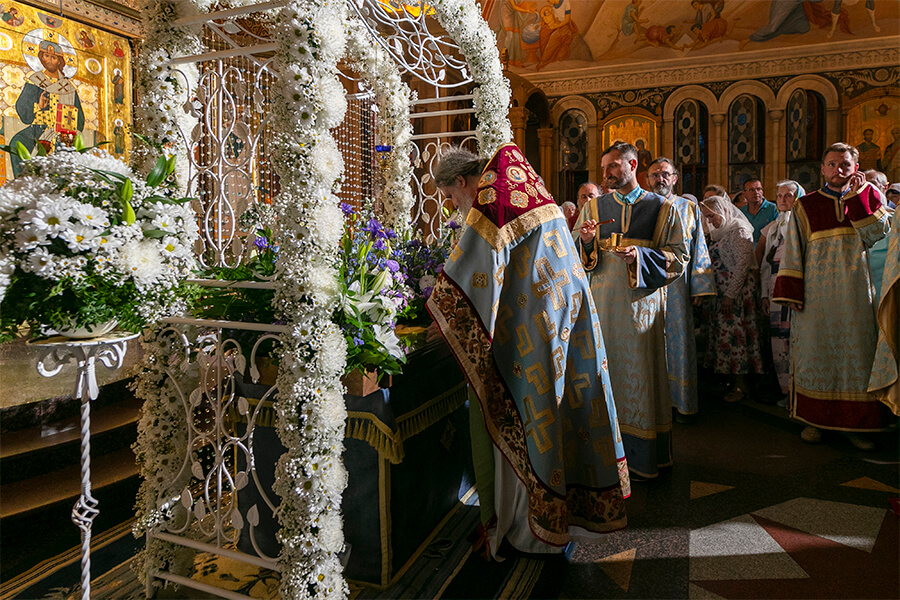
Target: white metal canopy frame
x=250, y=101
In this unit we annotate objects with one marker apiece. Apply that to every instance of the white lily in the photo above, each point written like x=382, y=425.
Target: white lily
x=387, y=338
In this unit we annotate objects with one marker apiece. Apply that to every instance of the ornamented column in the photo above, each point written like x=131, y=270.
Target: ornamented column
x=775, y=165
x=545, y=137
x=518, y=118
x=718, y=151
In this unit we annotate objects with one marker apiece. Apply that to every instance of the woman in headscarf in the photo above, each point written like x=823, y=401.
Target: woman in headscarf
x=733, y=346
x=769, y=252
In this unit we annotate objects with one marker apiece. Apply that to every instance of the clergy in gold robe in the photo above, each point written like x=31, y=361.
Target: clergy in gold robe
x=628, y=279
x=825, y=279
x=514, y=306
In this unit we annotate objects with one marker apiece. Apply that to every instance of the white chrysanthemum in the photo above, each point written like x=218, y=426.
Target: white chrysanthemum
x=88, y=214
x=141, y=260
x=51, y=215
x=426, y=281
x=30, y=237
x=323, y=285
x=335, y=101
x=333, y=353
x=327, y=223
x=331, y=531
x=327, y=159
x=10, y=201
x=7, y=268
x=334, y=411
x=80, y=237
x=40, y=262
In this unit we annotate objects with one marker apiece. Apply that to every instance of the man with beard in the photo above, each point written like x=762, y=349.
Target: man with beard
x=514, y=305
x=627, y=281
x=825, y=278
x=697, y=281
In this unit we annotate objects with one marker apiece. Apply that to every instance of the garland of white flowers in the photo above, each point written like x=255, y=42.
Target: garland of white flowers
x=392, y=97
x=462, y=21
x=160, y=116
x=161, y=450
x=163, y=112
x=310, y=477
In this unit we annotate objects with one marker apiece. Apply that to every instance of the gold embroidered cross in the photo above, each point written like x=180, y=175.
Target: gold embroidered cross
x=550, y=282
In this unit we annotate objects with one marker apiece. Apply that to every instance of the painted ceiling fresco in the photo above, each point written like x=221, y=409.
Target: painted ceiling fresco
x=541, y=35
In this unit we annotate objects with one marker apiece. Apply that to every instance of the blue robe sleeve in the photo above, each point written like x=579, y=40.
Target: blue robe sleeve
x=659, y=266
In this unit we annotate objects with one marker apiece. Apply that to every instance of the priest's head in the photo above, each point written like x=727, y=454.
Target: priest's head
x=456, y=174
x=619, y=163
x=839, y=163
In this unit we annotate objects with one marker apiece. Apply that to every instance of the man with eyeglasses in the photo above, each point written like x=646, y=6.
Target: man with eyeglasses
x=759, y=211
x=696, y=282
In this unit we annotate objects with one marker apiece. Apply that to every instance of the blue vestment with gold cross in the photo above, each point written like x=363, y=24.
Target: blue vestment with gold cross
x=631, y=301
x=514, y=305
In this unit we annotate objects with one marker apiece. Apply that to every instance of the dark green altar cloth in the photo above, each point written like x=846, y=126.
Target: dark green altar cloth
x=408, y=456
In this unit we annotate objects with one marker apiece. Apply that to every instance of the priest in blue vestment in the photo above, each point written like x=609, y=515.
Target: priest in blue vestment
x=632, y=245
x=514, y=306
x=697, y=281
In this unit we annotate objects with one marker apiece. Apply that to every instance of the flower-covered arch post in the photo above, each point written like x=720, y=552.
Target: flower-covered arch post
x=310, y=476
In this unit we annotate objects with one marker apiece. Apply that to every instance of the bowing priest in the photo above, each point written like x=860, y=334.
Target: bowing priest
x=628, y=279
x=514, y=306
x=697, y=281
x=824, y=277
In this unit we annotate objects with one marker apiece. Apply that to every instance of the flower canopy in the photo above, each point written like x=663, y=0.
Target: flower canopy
x=311, y=38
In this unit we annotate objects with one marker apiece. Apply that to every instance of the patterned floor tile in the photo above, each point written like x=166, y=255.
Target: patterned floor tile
x=848, y=524
x=700, y=489
x=618, y=567
x=739, y=549
x=867, y=483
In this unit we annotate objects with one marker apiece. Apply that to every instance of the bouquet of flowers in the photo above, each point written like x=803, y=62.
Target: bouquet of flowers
x=422, y=263
x=83, y=242
x=373, y=294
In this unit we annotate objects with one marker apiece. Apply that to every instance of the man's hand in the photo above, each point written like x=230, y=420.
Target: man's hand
x=588, y=231
x=857, y=181
x=628, y=254
x=44, y=101
x=697, y=301
x=765, y=305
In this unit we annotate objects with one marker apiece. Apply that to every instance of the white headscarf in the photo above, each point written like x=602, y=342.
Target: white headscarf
x=732, y=216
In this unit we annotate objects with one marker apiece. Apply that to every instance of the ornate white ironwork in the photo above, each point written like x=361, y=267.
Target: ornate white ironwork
x=402, y=30
x=56, y=352
x=206, y=511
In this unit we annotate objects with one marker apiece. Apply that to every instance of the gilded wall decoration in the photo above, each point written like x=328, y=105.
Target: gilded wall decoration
x=641, y=132
x=59, y=77
x=874, y=128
